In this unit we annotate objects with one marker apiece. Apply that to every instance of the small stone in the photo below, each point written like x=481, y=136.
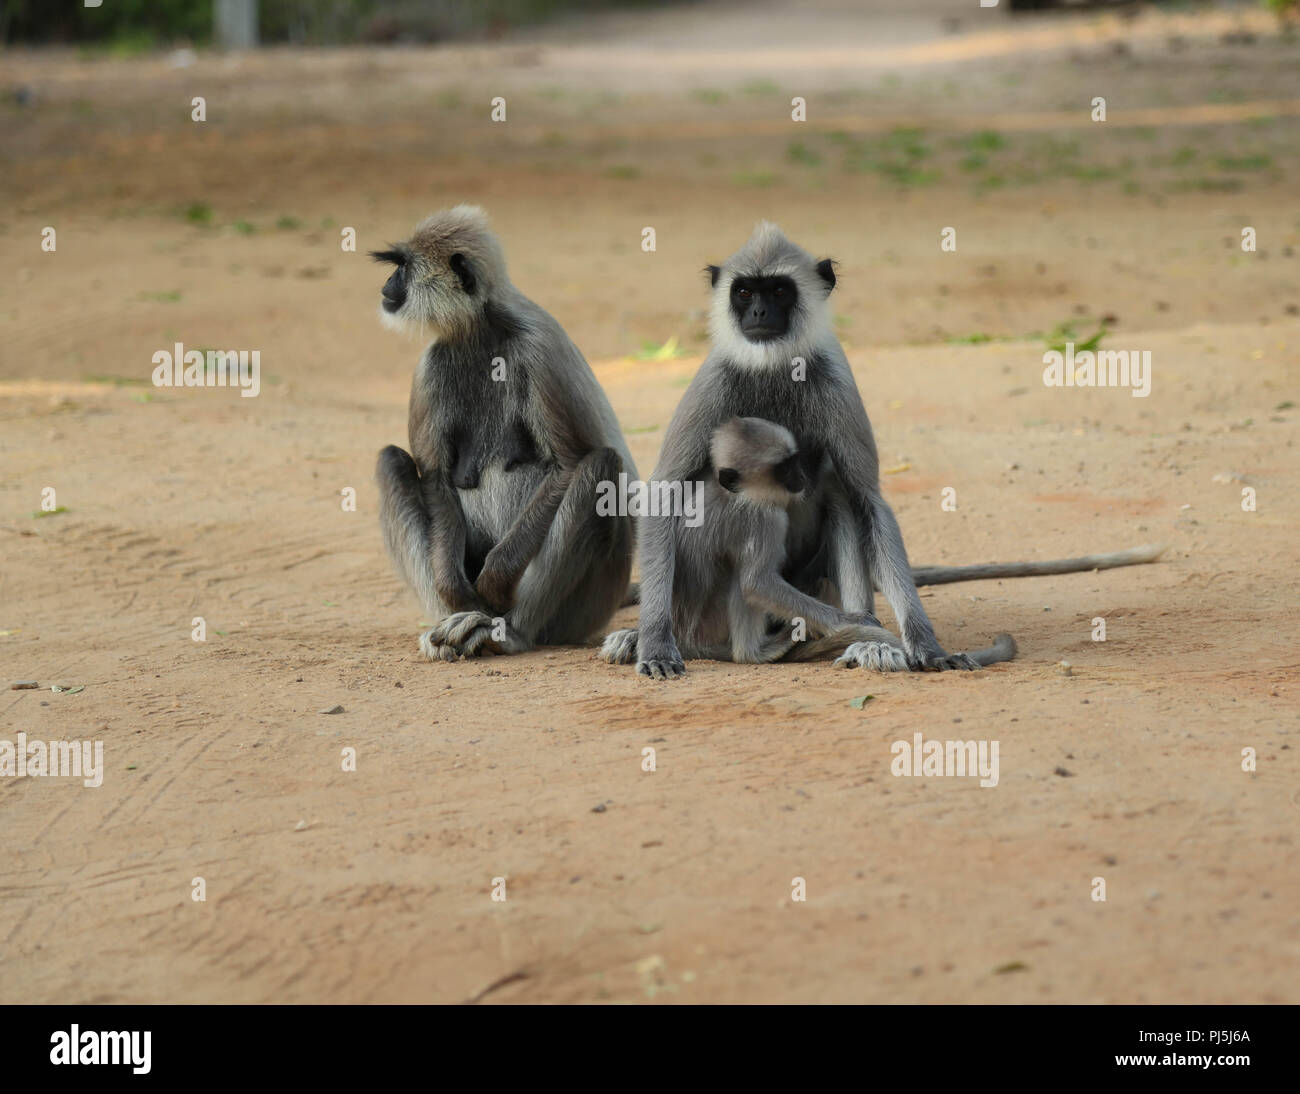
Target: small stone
x=1063, y=773
x=336, y=709
x=1066, y=668
x=598, y=808
x=23, y=685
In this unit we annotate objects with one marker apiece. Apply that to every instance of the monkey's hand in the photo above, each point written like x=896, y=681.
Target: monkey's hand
x=468, y=634
x=661, y=661
x=619, y=647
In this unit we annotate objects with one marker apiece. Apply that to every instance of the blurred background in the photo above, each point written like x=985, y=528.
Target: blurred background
x=203, y=189
x=621, y=115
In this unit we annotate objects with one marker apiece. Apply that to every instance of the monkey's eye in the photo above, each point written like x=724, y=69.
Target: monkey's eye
x=744, y=294
x=778, y=291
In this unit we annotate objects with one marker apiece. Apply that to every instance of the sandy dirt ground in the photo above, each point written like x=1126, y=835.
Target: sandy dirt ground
x=672, y=885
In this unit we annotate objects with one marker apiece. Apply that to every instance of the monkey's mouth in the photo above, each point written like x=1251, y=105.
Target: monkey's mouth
x=392, y=304
x=762, y=334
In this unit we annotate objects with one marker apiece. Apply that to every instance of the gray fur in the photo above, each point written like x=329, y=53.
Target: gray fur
x=824, y=412
x=730, y=600
x=492, y=514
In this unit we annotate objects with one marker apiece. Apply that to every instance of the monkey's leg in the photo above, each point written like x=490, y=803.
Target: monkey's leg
x=571, y=586
x=657, y=654
x=888, y=563
x=580, y=577
x=424, y=532
x=505, y=564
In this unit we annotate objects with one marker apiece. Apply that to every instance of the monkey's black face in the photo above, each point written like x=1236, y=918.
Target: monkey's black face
x=394, y=290
x=763, y=306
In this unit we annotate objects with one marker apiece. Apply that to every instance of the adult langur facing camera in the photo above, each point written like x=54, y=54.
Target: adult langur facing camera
x=730, y=600
x=491, y=517
x=775, y=356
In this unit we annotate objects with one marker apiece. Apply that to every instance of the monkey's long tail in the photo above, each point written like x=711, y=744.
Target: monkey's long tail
x=943, y=575
x=1003, y=649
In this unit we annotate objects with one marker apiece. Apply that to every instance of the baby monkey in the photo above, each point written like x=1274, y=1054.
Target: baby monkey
x=730, y=599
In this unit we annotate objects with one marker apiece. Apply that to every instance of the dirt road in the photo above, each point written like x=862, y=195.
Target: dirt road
x=673, y=885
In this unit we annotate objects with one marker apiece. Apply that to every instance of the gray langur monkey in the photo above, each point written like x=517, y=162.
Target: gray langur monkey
x=491, y=518
x=730, y=601
x=775, y=356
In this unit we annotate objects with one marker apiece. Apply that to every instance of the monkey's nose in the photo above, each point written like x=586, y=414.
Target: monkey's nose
x=393, y=292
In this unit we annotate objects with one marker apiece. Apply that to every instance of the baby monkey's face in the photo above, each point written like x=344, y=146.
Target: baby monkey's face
x=776, y=484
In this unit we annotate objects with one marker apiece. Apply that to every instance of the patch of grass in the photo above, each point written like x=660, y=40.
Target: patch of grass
x=623, y=171
x=1065, y=332
x=173, y=297
x=288, y=223
x=449, y=100
x=761, y=86
x=245, y=227
x=49, y=512
x=754, y=178
x=1208, y=186
x=986, y=140
x=642, y=429
x=669, y=351
x=1252, y=162
x=800, y=153
x=976, y=339
x=116, y=381
x=198, y=212
x=710, y=95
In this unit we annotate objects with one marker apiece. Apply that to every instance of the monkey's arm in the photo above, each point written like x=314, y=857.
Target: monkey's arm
x=424, y=531
x=765, y=589
x=853, y=452
x=657, y=654
x=943, y=575
x=509, y=557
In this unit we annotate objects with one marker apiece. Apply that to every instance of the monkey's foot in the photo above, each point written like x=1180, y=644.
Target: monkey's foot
x=663, y=663
x=943, y=662
x=880, y=656
x=619, y=647
x=468, y=634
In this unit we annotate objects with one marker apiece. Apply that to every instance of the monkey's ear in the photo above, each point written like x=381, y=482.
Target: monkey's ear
x=729, y=479
x=460, y=267
x=826, y=271
x=713, y=275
